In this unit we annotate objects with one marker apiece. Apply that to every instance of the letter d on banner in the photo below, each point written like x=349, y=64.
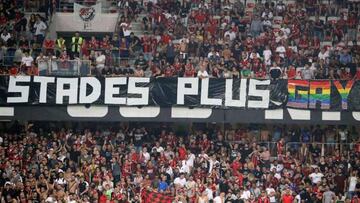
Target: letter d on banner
x=85, y=98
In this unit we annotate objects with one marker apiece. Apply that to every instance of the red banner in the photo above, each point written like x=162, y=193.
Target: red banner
x=152, y=197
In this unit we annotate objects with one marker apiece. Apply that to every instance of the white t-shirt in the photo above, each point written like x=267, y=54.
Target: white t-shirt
x=180, y=181
x=158, y=149
x=203, y=74
x=210, y=54
x=146, y=156
x=184, y=168
x=209, y=193
x=190, y=161
x=126, y=29
x=316, y=177
x=40, y=28
x=245, y=195
x=231, y=34
x=60, y=181
x=323, y=55
x=343, y=135
x=267, y=56
x=281, y=50
x=100, y=61
x=352, y=184
x=218, y=200
x=27, y=60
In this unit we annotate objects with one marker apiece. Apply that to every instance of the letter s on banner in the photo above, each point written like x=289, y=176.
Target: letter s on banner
x=264, y=94
x=182, y=90
x=143, y=91
x=23, y=90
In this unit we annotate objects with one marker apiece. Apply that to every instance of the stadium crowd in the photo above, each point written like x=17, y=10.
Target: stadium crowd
x=307, y=39
x=52, y=162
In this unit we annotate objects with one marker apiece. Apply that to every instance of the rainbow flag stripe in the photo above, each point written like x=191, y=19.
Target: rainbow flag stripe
x=297, y=99
x=344, y=91
x=323, y=97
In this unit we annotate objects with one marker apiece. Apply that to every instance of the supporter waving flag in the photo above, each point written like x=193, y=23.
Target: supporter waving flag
x=148, y=196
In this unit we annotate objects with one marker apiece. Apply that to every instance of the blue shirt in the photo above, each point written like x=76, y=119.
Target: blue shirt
x=163, y=186
x=345, y=58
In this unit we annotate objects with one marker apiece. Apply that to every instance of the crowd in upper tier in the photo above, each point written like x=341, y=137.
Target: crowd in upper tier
x=305, y=39
x=53, y=163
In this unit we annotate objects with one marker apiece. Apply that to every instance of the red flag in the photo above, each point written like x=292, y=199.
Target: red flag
x=152, y=197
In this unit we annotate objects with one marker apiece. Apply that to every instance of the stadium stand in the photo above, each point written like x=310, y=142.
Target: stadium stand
x=290, y=40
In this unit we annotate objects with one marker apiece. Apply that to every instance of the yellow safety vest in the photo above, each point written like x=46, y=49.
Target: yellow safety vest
x=76, y=46
x=60, y=43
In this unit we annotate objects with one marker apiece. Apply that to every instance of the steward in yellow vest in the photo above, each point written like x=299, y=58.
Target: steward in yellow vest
x=60, y=44
x=76, y=43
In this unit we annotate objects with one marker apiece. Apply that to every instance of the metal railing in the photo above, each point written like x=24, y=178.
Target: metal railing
x=302, y=149
x=65, y=67
x=271, y=146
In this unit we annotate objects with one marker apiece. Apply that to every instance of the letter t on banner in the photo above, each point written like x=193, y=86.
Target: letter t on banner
x=298, y=98
x=344, y=92
x=323, y=97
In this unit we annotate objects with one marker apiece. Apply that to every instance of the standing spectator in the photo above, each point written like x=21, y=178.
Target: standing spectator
x=256, y=27
x=316, y=176
x=307, y=73
x=76, y=43
x=328, y=196
x=26, y=62
x=352, y=184
x=60, y=45
x=100, y=61
x=40, y=28
x=319, y=28
x=170, y=53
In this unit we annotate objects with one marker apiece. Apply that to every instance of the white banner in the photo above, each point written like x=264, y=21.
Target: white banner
x=87, y=15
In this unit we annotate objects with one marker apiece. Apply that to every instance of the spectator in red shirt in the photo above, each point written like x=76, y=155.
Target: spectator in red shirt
x=304, y=43
x=166, y=38
x=287, y=197
x=189, y=70
x=291, y=72
x=93, y=43
x=263, y=198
